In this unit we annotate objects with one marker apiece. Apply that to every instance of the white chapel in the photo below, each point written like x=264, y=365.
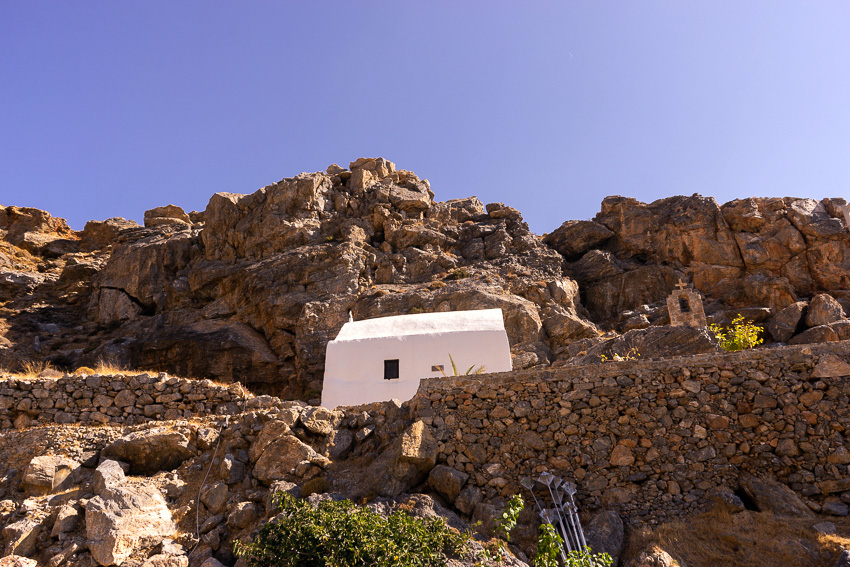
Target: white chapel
x=382, y=359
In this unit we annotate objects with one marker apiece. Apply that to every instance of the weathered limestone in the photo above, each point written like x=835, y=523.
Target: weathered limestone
x=121, y=519
x=151, y=450
x=108, y=474
x=169, y=214
x=823, y=310
x=405, y=463
x=45, y=473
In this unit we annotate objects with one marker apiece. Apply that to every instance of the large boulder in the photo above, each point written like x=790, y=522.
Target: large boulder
x=320, y=421
x=771, y=496
x=17, y=561
x=654, y=342
x=108, y=474
x=823, y=310
x=36, y=231
x=605, y=534
x=123, y=519
x=276, y=457
x=169, y=214
x=44, y=474
x=151, y=450
x=21, y=537
x=215, y=496
x=99, y=234
x=786, y=323
x=819, y=334
x=405, y=463
x=575, y=237
x=447, y=481
x=655, y=557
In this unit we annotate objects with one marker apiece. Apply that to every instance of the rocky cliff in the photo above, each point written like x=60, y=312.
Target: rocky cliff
x=756, y=254
x=256, y=285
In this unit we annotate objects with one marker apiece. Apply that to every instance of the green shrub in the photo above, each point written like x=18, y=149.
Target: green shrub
x=742, y=334
x=586, y=558
x=340, y=534
x=507, y=521
x=548, y=547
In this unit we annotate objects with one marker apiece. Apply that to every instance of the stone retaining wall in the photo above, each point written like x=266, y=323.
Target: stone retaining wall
x=116, y=399
x=654, y=438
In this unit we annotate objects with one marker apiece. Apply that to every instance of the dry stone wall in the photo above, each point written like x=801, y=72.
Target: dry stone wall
x=654, y=438
x=116, y=399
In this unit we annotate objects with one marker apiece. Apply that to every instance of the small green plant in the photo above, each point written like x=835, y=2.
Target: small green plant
x=458, y=274
x=631, y=354
x=471, y=370
x=342, y=534
x=741, y=335
x=491, y=553
x=586, y=558
x=507, y=521
x=548, y=547
x=494, y=551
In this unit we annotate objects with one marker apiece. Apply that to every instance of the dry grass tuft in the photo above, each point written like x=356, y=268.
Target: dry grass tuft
x=754, y=539
x=110, y=368
x=32, y=368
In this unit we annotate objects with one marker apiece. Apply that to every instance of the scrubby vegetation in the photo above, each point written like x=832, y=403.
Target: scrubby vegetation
x=338, y=533
x=741, y=335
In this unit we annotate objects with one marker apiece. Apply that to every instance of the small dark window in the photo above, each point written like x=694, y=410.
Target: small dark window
x=684, y=305
x=437, y=368
x=390, y=369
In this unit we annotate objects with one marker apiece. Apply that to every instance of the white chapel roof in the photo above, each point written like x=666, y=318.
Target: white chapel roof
x=423, y=324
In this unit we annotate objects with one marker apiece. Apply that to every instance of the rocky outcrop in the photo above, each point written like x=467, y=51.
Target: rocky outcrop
x=272, y=276
x=45, y=473
x=605, y=534
x=37, y=232
x=255, y=286
x=151, y=450
x=124, y=518
x=766, y=252
x=654, y=342
x=405, y=463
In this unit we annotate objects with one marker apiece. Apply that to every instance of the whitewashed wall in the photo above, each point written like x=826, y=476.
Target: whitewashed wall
x=354, y=369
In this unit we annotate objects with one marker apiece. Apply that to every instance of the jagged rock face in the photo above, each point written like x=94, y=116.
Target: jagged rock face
x=253, y=288
x=766, y=252
x=257, y=293
x=36, y=231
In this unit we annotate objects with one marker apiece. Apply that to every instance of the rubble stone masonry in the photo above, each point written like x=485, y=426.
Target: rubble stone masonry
x=654, y=438
x=116, y=399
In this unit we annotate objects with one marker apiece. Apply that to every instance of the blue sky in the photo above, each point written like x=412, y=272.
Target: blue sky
x=111, y=108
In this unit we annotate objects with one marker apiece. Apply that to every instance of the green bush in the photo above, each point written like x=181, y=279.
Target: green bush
x=742, y=334
x=586, y=558
x=340, y=534
x=548, y=547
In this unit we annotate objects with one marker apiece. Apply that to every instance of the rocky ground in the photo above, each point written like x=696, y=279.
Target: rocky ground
x=256, y=285
x=182, y=492
x=253, y=288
